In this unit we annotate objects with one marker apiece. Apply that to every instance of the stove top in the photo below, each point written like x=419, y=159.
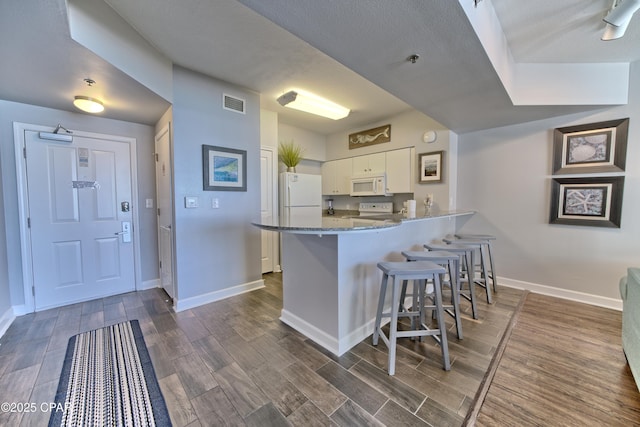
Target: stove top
x=375, y=208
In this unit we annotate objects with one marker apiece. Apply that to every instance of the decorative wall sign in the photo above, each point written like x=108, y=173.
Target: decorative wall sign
x=430, y=167
x=370, y=137
x=224, y=169
x=591, y=201
x=591, y=148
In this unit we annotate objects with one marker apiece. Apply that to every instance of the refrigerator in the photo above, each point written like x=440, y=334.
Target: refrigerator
x=300, y=194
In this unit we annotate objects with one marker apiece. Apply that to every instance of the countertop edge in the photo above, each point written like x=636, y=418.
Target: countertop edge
x=386, y=225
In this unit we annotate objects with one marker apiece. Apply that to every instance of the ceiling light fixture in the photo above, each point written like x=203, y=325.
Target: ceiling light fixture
x=618, y=18
x=310, y=103
x=87, y=104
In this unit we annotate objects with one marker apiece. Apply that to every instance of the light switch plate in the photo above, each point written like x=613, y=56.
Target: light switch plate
x=149, y=203
x=190, y=202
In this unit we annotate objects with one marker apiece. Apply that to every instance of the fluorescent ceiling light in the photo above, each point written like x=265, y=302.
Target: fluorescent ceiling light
x=90, y=105
x=310, y=103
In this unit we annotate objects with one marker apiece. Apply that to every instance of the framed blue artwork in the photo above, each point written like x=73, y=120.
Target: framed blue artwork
x=224, y=169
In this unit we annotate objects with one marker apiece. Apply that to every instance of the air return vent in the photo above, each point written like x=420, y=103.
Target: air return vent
x=232, y=104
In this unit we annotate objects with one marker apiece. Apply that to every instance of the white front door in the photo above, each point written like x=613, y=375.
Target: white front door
x=165, y=212
x=269, y=238
x=81, y=222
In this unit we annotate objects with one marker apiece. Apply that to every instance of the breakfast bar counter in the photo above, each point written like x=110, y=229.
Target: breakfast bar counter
x=329, y=268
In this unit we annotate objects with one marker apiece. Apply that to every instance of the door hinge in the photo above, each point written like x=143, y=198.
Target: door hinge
x=24, y=152
x=160, y=265
x=33, y=291
x=157, y=159
x=158, y=211
x=28, y=222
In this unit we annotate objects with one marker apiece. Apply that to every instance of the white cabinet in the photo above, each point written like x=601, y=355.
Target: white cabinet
x=336, y=177
x=368, y=164
x=400, y=170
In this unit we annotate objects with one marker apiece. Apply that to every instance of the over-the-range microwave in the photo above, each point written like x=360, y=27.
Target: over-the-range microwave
x=369, y=185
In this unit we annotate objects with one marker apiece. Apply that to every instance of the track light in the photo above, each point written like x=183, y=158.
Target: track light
x=310, y=103
x=618, y=18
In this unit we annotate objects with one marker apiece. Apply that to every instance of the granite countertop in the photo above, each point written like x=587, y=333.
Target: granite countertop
x=319, y=222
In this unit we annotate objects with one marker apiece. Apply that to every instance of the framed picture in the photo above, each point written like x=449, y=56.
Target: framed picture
x=224, y=169
x=591, y=148
x=595, y=202
x=430, y=167
x=370, y=137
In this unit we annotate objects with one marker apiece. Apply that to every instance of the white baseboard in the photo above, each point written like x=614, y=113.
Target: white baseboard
x=612, y=303
x=21, y=310
x=6, y=320
x=149, y=284
x=187, y=303
x=334, y=345
x=316, y=335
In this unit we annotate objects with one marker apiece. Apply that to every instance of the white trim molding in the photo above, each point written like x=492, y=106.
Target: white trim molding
x=612, y=303
x=187, y=303
x=149, y=284
x=6, y=320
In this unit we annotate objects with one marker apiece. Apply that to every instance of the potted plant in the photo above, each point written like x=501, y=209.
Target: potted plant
x=290, y=154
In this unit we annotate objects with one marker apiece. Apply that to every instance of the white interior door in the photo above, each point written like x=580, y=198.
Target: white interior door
x=267, y=208
x=165, y=212
x=81, y=229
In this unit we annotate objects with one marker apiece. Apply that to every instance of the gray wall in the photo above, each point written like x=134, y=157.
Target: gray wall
x=215, y=248
x=10, y=258
x=505, y=174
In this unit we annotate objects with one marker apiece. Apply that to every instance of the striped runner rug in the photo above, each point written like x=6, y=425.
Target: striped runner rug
x=107, y=379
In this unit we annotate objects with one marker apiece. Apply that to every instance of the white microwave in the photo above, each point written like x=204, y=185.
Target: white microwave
x=368, y=185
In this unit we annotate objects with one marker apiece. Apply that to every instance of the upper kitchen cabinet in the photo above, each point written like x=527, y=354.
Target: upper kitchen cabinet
x=400, y=170
x=369, y=164
x=336, y=176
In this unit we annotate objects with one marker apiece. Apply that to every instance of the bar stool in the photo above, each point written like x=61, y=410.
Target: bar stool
x=480, y=245
x=417, y=271
x=488, y=238
x=465, y=253
x=451, y=262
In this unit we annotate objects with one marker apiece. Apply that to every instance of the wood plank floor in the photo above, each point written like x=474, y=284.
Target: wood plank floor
x=563, y=365
x=233, y=362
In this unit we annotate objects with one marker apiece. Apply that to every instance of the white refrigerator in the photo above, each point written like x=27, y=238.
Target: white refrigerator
x=300, y=194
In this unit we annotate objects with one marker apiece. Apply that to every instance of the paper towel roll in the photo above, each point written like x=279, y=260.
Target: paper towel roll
x=411, y=206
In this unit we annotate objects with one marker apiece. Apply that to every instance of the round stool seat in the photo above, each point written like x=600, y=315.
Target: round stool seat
x=410, y=270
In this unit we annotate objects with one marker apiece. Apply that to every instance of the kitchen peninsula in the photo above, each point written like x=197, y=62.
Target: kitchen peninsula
x=330, y=277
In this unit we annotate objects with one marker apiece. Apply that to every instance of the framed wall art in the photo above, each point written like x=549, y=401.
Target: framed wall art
x=224, y=169
x=370, y=137
x=591, y=201
x=430, y=167
x=590, y=148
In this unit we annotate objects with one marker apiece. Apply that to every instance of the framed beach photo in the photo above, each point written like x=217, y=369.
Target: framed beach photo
x=591, y=148
x=430, y=167
x=224, y=169
x=595, y=202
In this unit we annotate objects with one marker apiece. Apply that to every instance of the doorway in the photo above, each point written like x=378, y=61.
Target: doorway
x=78, y=216
x=164, y=195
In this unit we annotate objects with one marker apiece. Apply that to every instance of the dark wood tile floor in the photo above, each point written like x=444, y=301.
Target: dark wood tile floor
x=233, y=362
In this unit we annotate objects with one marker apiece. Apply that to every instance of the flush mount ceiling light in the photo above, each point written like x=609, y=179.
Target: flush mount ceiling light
x=310, y=103
x=90, y=105
x=618, y=18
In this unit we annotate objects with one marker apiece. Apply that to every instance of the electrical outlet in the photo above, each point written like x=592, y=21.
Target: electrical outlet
x=149, y=203
x=215, y=203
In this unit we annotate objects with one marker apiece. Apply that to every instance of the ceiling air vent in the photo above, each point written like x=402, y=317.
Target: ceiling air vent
x=232, y=104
